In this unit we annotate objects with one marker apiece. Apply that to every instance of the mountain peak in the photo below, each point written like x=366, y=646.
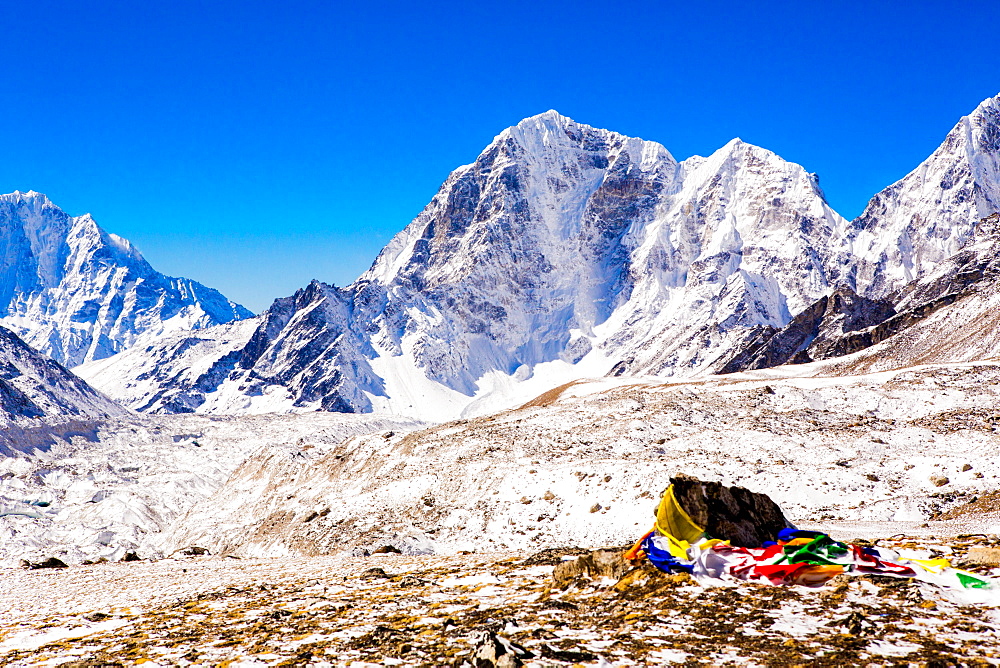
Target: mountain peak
x=36, y=198
x=57, y=293
x=989, y=104
x=550, y=116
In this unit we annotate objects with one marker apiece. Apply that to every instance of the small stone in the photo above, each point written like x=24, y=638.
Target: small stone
x=374, y=574
x=387, y=549
x=194, y=551
x=966, y=467
x=493, y=650
x=928, y=605
x=596, y=507
x=130, y=556
x=525, y=500
x=872, y=477
x=51, y=562
x=548, y=496
x=939, y=480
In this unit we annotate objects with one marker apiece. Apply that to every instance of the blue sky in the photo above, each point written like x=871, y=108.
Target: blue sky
x=254, y=146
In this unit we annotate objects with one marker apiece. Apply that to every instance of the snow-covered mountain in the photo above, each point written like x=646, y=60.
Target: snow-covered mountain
x=933, y=212
x=77, y=293
x=34, y=386
x=566, y=251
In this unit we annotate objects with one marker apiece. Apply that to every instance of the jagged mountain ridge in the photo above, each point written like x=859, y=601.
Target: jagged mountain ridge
x=77, y=293
x=565, y=251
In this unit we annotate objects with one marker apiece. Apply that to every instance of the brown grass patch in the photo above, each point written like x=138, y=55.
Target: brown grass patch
x=549, y=397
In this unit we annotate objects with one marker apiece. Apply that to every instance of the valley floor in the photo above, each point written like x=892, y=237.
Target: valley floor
x=433, y=610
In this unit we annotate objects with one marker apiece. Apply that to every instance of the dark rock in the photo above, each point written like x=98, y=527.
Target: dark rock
x=194, y=551
x=96, y=617
x=374, y=574
x=51, y=562
x=736, y=514
x=832, y=326
x=387, y=549
x=550, y=652
x=131, y=556
x=412, y=581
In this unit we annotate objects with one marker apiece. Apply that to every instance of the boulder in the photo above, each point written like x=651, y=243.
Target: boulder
x=736, y=514
x=982, y=556
x=598, y=564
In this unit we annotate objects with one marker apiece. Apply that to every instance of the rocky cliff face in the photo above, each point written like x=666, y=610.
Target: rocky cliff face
x=77, y=293
x=35, y=386
x=565, y=251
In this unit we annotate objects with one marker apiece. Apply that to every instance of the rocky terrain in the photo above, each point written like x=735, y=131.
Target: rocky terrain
x=77, y=293
x=87, y=489
x=581, y=464
x=390, y=472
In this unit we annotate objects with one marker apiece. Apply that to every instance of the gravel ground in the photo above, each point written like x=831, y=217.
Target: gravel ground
x=434, y=611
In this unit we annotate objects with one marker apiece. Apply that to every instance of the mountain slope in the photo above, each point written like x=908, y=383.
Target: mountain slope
x=34, y=386
x=77, y=293
x=582, y=465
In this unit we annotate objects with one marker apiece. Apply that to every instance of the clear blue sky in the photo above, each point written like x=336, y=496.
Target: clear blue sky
x=255, y=145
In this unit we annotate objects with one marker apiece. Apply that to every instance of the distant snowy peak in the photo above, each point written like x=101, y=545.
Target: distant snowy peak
x=77, y=293
x=746, y=240
x=932, y=212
